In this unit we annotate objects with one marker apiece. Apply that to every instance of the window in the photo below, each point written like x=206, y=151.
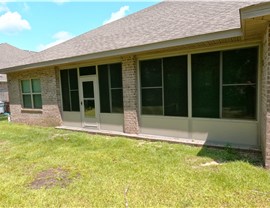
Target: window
x=239, y=83
x=164, y=86
x=88, y=70
x=110, y=88
x=205, y=85
x=224, y=84
x=31, y=93
x=151, y=87
x=70, y=92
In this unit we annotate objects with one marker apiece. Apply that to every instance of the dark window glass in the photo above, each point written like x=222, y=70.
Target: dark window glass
x=104, y=93
x=240, y=66
x=239, y=102
x=205, y=85
x=27, y=103
x=239, y=83
x=70, y=93
x=175, y=86
x=117, y=100
x=75, y=103
x=88, y=70
x=73, y=79
x=152, y=101
x=116, y=75
x=36, y=87
x=110, y=88
x=26, y=86
x=151, y=73
x=65, y=90
x=88, y=90
x=37, y=101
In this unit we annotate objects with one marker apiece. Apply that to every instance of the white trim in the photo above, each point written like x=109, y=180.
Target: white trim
x=204, y=49
x=95, y=120
x=220, y=83
x=162, y=87
x=189, y=80
x=109, y=83
x=91, y=63
x=136, y=49
x=259, y=91
x=257, y=10
x=191, y=119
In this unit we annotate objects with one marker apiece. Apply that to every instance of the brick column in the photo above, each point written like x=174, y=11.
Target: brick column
x=131, y=124
x=265, y=100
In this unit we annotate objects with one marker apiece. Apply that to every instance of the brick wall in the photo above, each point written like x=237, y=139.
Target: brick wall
x=129, y=74
x=49, y=115
x=265, y=100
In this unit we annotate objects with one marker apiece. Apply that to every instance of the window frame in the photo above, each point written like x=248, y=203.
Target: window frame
x=162, y=87
x=31, y=93
x=221, y=49
x=69, y=89
x=110, y=88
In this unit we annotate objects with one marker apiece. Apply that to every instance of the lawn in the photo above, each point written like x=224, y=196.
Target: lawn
x=45, y=167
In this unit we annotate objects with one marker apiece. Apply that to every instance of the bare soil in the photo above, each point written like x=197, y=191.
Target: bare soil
x=51, y=178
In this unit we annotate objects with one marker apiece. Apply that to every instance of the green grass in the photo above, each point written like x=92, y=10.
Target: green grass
x=3, y=117
x=101, y=168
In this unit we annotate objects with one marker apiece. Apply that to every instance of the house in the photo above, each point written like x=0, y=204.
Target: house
x=7, y=53
x=3, y=88
x=189, y=71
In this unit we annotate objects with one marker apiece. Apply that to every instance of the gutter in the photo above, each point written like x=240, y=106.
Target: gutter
x=131, y=50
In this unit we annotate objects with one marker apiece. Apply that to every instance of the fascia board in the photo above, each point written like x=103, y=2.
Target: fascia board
x=131, y=50
x=257, y=10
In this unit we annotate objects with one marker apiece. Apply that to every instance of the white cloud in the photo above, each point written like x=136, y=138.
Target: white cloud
x=59, y=37
x=12, y=22
x=117, y=15
x=3, y=7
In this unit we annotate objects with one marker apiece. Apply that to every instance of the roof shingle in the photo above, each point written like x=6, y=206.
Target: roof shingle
x=165, y=21
x=10, y=54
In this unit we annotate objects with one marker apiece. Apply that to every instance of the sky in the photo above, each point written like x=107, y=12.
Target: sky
x=38, y=25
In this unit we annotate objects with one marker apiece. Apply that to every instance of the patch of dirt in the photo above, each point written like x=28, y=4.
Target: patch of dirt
x=51, y=178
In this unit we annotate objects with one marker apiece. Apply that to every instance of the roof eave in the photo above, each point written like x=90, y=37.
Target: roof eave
x=131, y=50
x=256, y=10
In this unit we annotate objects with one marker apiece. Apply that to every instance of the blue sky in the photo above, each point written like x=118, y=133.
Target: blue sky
x=38, y=25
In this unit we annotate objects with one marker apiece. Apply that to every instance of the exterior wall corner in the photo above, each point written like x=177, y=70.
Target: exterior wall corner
x=265, y=100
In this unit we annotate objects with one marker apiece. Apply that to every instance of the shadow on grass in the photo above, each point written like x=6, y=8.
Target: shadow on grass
x=228, y=154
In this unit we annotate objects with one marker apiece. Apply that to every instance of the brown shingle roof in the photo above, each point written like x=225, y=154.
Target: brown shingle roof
x=10, y=54
x=165, y=21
